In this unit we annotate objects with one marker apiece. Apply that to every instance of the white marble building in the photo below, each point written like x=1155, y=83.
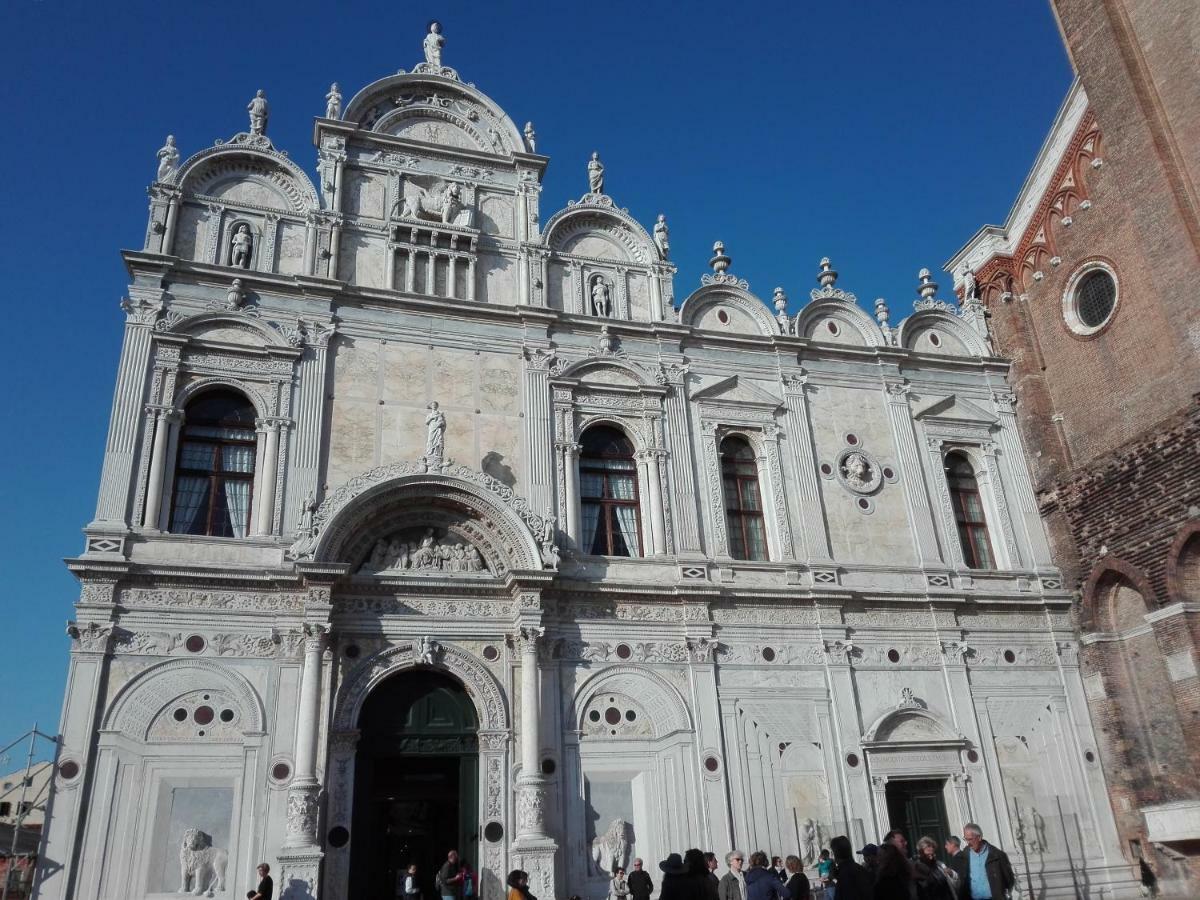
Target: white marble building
x=719, y=574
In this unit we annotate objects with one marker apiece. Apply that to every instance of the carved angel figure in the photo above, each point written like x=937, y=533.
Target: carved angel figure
x=168, y=159
x=433, y=44
x=610, y=851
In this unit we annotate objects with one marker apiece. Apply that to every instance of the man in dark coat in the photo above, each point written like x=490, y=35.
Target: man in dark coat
x=984, y=872
x=640, y=884
x=852, y=881
x=761, y=882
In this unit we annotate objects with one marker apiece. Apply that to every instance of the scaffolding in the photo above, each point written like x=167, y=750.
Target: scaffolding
x=20, y=849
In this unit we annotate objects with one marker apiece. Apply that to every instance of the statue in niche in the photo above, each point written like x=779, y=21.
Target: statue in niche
x=308, y=507
x=810, y=846
x=201, y=865
x=857, y=470
x=435, y=435
x=434, y=42
x=258, y=110
x=662, y=236
x=596, y=174
x=168, y=159
x=601, y=298
x=530, y=137
x=333, y=102
x=241, y=247
x=968, y=283
x=610, y=851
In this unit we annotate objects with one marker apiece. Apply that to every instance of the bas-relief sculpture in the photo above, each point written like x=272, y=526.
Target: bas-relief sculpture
x=700, y=654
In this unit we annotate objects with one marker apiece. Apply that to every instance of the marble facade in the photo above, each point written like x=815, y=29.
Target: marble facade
x=625, y=705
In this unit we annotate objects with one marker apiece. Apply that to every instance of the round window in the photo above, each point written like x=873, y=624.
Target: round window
x=339, y=836
x=1090, y=300
x=68, y=769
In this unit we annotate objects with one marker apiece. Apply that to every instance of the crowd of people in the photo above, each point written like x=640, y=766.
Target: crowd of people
x=979, y=871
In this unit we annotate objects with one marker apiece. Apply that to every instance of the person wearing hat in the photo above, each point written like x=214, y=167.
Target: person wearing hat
x=853, y=882
x=733, y=882
x=673, y=882
x=870, y=855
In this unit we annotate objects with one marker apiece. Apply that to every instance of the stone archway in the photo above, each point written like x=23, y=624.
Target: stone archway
x=493, y=732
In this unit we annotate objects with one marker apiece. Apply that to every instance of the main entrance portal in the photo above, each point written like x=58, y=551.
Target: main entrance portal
x=918, y=808
x=415, y=791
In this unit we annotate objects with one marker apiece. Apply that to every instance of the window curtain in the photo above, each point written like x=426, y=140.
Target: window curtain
x=237, y=491
x=628, y=525
x=191, y=504
x=590, y=524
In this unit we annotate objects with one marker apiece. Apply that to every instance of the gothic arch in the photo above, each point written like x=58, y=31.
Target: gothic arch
x=848, y=314
x=1183, y=564
x=349, y=518
x=219, y=165
x=752, y=313
x=921, y=323
x=140, y=701
x=666, y=707
x=481, y=686
x=1098, y=590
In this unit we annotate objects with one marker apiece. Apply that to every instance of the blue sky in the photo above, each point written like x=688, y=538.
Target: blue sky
x=880, y=134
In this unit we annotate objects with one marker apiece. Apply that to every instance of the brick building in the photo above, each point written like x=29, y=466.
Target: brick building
x=1090, y=286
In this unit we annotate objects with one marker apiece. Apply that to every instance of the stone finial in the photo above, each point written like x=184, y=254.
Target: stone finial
x=882, y=313
x=530, y=137
x=828, y=275
x=780, y=300
x=258, y=110
x=927, y=288
x=720, y=261
x=235, y=297
x=333, y=102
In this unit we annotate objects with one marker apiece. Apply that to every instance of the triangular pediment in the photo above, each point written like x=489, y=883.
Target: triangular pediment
x=734, y=391
x=953, y=409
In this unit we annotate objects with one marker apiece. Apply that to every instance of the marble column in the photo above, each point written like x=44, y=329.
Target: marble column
x=920, y=514
x=539, y=427
x=168, y=241
x=808, y=490
x=164, y=421
x=264, y=516
x=569, y=460
x=533, y=850
x=683, y=476
x=303, y=795
x=309, y=403
x=654, y=487
x=310, y=245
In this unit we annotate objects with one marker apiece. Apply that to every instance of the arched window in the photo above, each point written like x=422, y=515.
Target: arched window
x=214, y=471
x=968, y=512
x=743, y=502
x=608, y=494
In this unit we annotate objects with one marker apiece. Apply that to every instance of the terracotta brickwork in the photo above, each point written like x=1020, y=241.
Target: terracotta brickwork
x=1111, y=418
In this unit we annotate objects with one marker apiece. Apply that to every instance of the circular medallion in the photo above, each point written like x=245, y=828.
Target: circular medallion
x=858, y=471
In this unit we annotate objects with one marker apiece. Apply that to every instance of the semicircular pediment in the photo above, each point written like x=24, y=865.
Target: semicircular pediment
x=433, y=126
x=249, y=181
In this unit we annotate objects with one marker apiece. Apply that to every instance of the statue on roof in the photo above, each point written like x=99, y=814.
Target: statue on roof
x=258, y=113
x=969, y=284
x=434, y=42
x=530, y=137
x=662, y=236
x=333, y=102
x=596, y=175
x=168, y=159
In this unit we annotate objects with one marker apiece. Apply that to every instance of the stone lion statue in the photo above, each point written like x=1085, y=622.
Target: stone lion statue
x=201, y=865
x=610, y=851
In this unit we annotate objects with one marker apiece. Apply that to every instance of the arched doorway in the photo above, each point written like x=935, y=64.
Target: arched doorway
x=416, y=774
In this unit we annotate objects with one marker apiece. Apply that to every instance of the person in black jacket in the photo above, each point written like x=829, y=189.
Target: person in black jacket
x=851, y=881
x=761, y=883
x=640, y=884
x=984, y=872
x=797, y=883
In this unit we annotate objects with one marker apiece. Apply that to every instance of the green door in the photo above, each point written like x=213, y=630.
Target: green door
x=918, y=808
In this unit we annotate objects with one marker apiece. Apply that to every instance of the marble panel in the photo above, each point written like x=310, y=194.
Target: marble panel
x=364, y=194
x=356, y=368
x=209, y=809
x=352, y=438
x=289, y=260
x=496, y=214
x=406, y=373
x=499, y=383
x=499, y=279
x=454, y=373
x=190, y=230
x=362, y=259
x=500, y=449
x=639, y=298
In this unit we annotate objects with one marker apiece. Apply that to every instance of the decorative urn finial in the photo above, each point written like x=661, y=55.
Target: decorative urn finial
x=780, y=300
x=828, y=275
x=927, y=288
x=882, y=313
x=720, y=261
